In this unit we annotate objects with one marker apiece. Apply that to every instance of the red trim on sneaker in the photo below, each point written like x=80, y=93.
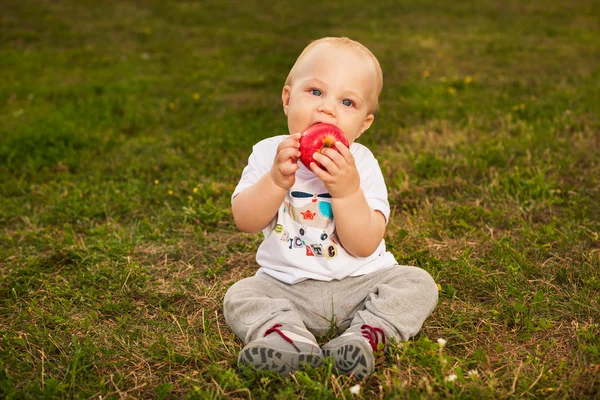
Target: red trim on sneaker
x=275, y=328
x=372, y=334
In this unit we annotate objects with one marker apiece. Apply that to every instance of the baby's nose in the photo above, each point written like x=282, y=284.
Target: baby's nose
x=327, y=106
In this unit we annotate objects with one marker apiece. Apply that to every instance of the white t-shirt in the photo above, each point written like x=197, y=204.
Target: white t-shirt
x=301, y=243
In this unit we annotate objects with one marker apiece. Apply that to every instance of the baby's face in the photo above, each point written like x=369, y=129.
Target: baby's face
x=332, y=85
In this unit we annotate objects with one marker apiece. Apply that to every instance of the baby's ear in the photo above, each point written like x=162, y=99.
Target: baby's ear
x=366, y=123
x=285, y=97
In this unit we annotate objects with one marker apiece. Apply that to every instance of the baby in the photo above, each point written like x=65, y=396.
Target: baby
x=323, y=262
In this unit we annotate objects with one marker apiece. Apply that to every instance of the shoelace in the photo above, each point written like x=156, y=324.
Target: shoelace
x=275, y=328
x=372, y=334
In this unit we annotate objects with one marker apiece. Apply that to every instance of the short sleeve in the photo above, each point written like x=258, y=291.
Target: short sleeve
x=259, y=163
x=371, y=180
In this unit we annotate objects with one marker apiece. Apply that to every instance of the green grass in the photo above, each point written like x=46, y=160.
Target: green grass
x=124, y=127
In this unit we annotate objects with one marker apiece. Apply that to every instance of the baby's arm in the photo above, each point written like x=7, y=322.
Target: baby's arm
x=254, y=208
x=359, y=227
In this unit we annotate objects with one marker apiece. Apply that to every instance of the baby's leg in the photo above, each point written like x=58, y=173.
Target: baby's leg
x=398, y=301
x=261, y=312
x=254, y=304
x=391, y=303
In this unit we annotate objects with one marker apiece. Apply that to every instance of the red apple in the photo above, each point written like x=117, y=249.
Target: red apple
x=318, y=137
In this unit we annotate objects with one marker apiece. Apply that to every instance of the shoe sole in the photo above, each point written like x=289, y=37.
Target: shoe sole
x=281, y=362
x=350, y=360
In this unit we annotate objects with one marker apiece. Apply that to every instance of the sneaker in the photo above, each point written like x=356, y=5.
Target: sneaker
x=281, y=351
x=357, y=353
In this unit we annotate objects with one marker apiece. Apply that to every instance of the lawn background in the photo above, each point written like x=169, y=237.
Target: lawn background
x=124, y=126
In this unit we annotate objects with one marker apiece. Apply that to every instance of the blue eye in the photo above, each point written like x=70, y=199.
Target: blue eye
x=316, y=92
x=347, y=102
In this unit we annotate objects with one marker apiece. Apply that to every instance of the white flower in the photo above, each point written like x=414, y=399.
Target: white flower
x=355, y=389
x=442, y=342
x=451, y=377
x=473, y=373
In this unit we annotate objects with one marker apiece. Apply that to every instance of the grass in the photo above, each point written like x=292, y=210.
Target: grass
x=124, y=127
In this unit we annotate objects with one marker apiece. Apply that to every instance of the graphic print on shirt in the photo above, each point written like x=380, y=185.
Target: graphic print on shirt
x=310, y=224
x=316, y=212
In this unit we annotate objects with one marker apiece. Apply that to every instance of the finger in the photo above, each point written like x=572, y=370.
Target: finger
x=287, y=154
x=326, y=162
x=335, y=156
x=345, y=152
x=289, y=169
x=287, y=145
x=290, y=152
x=319, y=172
x=291, y=141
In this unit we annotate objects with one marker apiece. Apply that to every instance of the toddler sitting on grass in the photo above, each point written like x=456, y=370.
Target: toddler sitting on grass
x=323, y=259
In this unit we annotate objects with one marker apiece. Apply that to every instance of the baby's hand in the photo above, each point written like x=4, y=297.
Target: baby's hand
x=285, y=165
x=340, y=175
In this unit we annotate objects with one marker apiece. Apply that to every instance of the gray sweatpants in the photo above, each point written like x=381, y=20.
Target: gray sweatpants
x=397, y=299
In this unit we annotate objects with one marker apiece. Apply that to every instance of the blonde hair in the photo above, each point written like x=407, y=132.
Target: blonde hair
x=348, y=43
